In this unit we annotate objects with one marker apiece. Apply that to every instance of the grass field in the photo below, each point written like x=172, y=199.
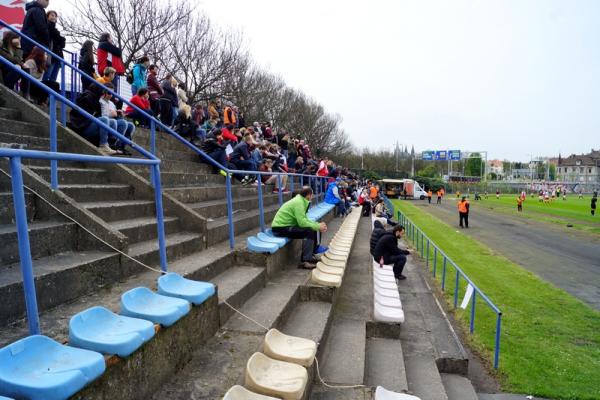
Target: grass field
x=550, y=343
x=573, y=211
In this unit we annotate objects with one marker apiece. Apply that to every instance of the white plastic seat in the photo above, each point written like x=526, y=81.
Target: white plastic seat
x=333, y=263
x=386, y=292
x=329, y=269
x=383, y=271
x=340, y=246
x=387, y=301
x=384, y=278
x=321, y=278
x=339, y=253
x=340, y=240
x=385, y=285
x=288, y=348
x=388, y=314
x=238, y=392
x=384, y=394
x=275, y=378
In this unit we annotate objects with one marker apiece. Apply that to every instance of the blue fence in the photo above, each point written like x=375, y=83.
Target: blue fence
x=427, y=248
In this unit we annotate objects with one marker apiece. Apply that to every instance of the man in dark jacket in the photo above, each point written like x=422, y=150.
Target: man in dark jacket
x=214, y=147
x=388, y=250
x=35, y=26
x=378, y=231
x=242, y=158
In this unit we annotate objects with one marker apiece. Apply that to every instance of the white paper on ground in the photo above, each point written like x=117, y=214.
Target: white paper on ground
x=467, y=297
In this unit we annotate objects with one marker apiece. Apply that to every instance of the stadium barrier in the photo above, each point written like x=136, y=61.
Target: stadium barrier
x=425, y=246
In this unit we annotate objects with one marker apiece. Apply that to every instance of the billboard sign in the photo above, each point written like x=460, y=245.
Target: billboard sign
x=454, y=155
x=441, y=155
x=428, y=155
x=12, y=12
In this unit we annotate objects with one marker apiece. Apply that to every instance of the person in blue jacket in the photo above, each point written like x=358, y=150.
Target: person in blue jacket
x=333, y=197
x=140, y=74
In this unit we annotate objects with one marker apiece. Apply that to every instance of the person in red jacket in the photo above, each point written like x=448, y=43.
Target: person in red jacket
x=141, y=101
x=109, y=55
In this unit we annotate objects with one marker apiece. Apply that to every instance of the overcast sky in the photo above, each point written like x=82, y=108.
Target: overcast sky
x=513, y=77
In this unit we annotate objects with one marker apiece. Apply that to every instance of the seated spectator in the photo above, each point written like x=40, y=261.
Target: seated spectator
x=332, y=196
x=387, y=251
x=86, y=64
x=267, y=166
x=36, y=65
x=291, y=222
x=57, y=44
x=212, y=111
x=35, y=26
x=214, y=146
x=109, y=55
x=141, y=101
x=228, y=135
x=154, y=88
x=381, y=212
x=242, y=158
x=11, y=51
x=89, y=101
x=109, y=110
x=365, y=202
x=140, y=74
x=108, y=76
x=184, y=125
x=378, y=231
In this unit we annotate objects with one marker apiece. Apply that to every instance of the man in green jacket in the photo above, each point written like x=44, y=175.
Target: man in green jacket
x=291, y=222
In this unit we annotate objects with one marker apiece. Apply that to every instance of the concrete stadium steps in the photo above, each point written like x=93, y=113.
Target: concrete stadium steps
x=59, y=278
x=111, y=211
x=73, y=175
x=218, y=208
x=175, y=179
x=98, y=192
x=242, y=222
x=29, y=142
x=177, y=245
x=19, y=127
x=458, y=387
x=144, y=228
x=385, y=364
x=7, y=213
x=176, y=166
x=9, y=113
x=195, y=194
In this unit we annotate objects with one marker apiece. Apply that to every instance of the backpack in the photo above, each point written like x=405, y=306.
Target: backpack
x=129, y=76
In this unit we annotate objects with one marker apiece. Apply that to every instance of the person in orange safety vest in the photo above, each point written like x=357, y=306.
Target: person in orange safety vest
x=463, y=212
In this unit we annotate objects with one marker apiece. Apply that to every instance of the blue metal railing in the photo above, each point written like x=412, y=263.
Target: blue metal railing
x=15, y=156
x=314, y=181
x=425, y=246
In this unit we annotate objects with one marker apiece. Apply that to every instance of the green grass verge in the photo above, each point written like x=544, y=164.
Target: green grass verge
x=550, y=343
x=572, y=211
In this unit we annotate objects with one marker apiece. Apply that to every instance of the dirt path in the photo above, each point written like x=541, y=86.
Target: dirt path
x=569, y=260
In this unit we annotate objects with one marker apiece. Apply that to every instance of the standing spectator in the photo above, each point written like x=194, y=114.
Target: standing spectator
x=36, y=65
x=463, y=212
x=241, y=119
x=387, y=251
x=89, y=101
x=169, y=100
x=212, y=111
x=11, y=50
x=57, y=44
x=593, y=203
x=229, y=117
x=35, y=25
x=182, y=98
x=109, y=110
x=109, y=55
x=141, y=101
x=154, y=88
x=139, y=74
x=86, y=64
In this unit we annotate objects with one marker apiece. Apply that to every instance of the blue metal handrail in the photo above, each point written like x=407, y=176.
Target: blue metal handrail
x=154, y=123
x=15, y=156
x=414, y=233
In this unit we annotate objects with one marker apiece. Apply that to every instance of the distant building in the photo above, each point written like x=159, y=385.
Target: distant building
x=496, y=167
x=584, y=168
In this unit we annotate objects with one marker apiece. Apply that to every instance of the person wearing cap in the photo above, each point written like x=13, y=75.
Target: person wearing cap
x=463, y=212
x=242, y=158
x=292, y=222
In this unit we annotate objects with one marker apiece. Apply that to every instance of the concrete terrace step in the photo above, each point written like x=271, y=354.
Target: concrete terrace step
x=45, y=237
x=98, y=192
x=17, y=127
x=59, y=278
x=30, y=142
x=9, y=113
x=7, y=213
x=177, y=166
x=218, y=208
x=385, y=364
x=344, y=355
x=111, y=211
x=423, y=378
x=175, y=179
x=458, y=387
x=144, y=228
x=309, y=319
x=195, y=194
x=178, y=245
x=73, y=175
x=242, y=222
x=270, y=307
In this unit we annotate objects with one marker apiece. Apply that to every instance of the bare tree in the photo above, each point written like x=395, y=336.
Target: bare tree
x=136, y=26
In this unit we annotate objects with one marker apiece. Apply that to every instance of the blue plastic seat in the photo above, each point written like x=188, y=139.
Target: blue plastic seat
x=175, y=285
x=258, y=246
x=39, y=368
x=270, y=239
x=5, y=398
x=145, y=304
x=101, y=330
